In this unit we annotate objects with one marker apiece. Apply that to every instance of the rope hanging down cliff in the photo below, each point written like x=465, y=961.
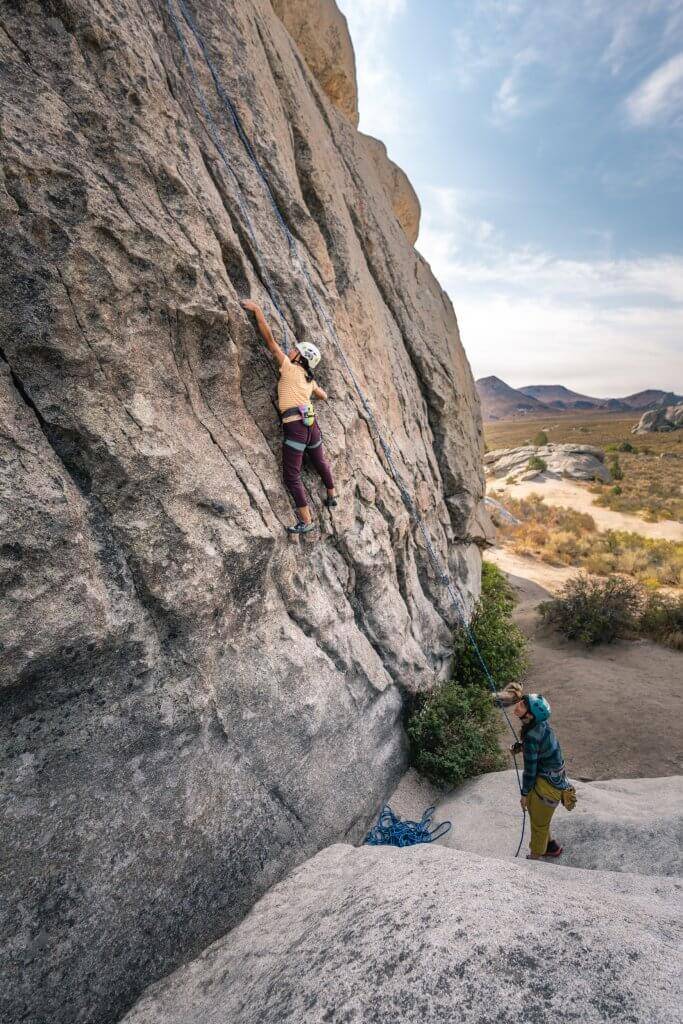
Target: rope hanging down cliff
x=441, y=573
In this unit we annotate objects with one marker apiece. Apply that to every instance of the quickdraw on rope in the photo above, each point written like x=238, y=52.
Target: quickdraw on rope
x=391, y=830
x=324, y=317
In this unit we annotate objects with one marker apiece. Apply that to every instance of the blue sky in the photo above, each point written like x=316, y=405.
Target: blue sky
x=545, y=140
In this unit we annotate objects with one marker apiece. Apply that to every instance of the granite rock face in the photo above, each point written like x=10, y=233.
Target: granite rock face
x=322, y=36
x=191, y=704
x=664, y=418
x=395, y=182
x=427, y=933
x=574, y=461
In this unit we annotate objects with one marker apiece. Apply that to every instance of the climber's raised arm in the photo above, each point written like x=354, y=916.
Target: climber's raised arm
x=319, y=394
x=265, y=331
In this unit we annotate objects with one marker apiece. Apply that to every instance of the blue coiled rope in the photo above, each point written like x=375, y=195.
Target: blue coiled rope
x=233, y=116
x=391, y=830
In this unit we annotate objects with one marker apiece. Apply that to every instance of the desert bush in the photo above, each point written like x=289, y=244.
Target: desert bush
x=536, y=463
x=544, y=531
x=501, y=643
x=453, y=731
x=540, y=439
x=661, y=619
x=615, y=468
x=595, y=611
x=616, y=489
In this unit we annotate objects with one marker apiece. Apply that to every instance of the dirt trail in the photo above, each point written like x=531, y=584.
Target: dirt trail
x=616, y=707
x=567, y=494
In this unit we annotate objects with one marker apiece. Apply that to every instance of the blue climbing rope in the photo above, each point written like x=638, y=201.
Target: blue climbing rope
x=391, y=830
x=324, y=317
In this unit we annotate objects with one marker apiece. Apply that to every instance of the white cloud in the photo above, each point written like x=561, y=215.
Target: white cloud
x=600, y=325
x=660, y=95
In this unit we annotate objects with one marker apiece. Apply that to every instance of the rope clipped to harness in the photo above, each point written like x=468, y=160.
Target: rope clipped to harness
x=391, y=830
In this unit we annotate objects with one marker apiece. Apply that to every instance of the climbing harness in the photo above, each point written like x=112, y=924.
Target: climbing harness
x=391, y=830
x=441, y=573
x=305, y=413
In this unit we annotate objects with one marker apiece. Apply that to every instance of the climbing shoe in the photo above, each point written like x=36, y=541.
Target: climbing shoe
x=553, y=849
x=330, y=502
x=301, y=528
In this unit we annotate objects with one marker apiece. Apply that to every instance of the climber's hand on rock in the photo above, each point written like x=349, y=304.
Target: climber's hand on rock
x=516, y=747
x=250, y=306
x=523, y=803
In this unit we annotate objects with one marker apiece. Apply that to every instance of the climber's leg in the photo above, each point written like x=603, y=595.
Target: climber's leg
x=291, y=468
x=542, y=801
x=316, y=453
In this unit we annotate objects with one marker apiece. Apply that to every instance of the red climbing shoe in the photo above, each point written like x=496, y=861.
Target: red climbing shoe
x=553, y=849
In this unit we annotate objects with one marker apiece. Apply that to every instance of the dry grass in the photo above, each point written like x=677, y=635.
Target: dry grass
x=562, y=536
x=651, y=485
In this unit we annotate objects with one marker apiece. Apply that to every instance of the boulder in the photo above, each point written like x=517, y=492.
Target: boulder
x=192, y=704
x=574, y=461
x=429, y=933
x=659, y=420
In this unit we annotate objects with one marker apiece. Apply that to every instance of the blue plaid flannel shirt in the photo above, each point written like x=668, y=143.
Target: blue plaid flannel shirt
x=543, y=756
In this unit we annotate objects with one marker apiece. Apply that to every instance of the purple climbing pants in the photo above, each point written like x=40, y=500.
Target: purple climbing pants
x=292, y=459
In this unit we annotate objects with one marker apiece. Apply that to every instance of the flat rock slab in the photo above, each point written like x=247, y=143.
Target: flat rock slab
x=576, y=461
x=632, y=825
x=430, y=934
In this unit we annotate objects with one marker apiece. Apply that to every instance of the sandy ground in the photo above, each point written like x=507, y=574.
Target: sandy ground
x=616, y=708
x=568, y=494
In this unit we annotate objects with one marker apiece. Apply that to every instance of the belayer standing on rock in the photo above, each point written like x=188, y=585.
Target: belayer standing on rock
x=544, y=782
x=301, y=432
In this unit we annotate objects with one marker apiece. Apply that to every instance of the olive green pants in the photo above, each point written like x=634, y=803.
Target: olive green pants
x=541, y=804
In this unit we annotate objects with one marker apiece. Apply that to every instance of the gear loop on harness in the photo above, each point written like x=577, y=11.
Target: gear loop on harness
x=322, y=313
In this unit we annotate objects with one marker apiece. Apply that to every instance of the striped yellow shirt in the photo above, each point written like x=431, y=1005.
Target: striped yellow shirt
x=292, y=388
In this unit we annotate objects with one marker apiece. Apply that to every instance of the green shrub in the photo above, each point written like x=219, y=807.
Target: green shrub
x=540, y=465
x=453, y=731
x=501, y=643
x=615, y=468
x=540, y=439
x=661, y=619
x=626, y=446
x=595, y=611
x=616, y=489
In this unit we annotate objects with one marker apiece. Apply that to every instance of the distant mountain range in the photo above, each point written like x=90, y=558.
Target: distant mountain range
x=501, y=402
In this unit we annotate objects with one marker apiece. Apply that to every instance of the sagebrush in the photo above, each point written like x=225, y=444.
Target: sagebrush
x=454, y=730
x=594, y=611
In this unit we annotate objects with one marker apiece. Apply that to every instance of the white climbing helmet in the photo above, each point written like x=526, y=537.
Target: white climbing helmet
x=309, y=352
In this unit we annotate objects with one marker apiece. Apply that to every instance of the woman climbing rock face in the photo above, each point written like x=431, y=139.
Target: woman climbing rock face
x=301, y=432
x=544, y=782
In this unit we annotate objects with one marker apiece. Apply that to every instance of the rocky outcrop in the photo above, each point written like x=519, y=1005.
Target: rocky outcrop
x=665, y=418
x=624, y=825
x=321, y=33
x=530, y=462
x=190, y=703
x=428, y=933
x=394, y=181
